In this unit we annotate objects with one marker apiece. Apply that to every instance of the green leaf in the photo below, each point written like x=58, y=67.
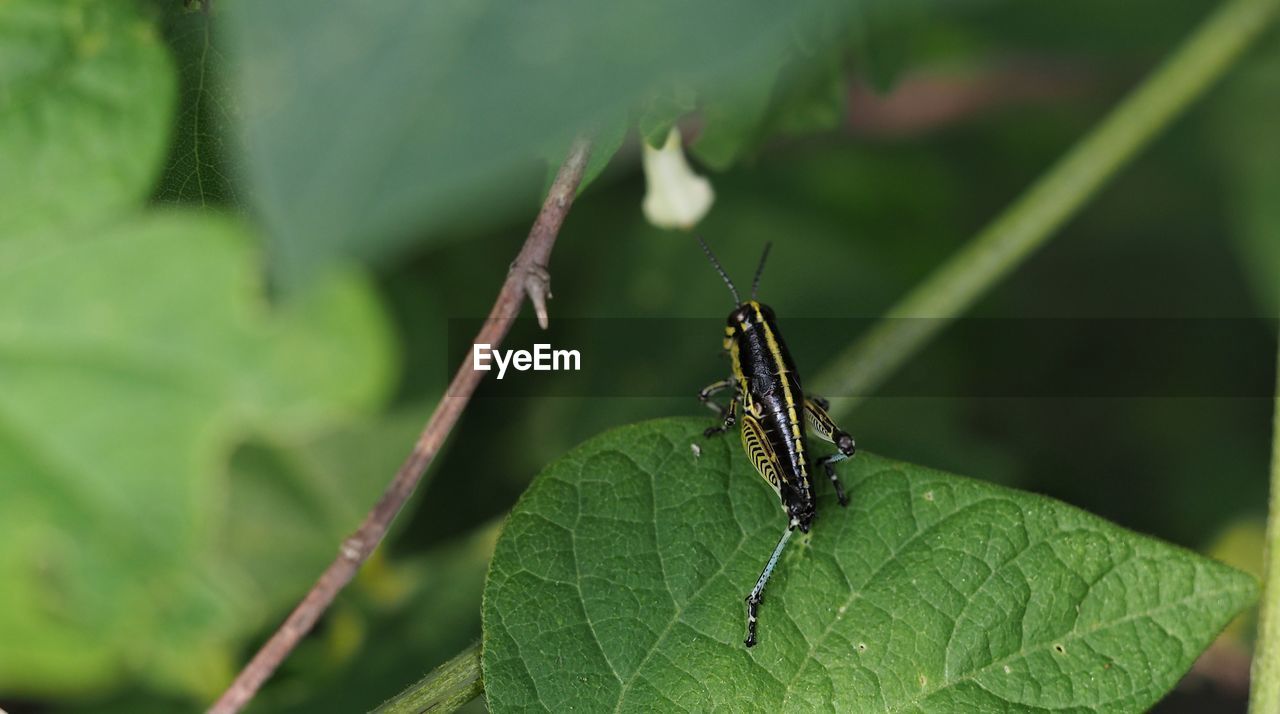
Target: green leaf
x=882, y=33
x=422, y=112
x=733, y=122
x=435, y=612
x=656, y=118
x=619, y=578
x=606, y=139
x=290, y=500
x=198, y=170
x=800, y=90
x=813, y=98
x=132, y=362
x=86, y=90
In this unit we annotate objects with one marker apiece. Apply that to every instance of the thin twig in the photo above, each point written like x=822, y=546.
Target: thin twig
x=528, y=276
x=1048, y=204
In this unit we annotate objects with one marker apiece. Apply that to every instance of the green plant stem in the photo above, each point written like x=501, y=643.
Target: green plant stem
x=1034, y=217
x=1264, y=690
x=445, y=689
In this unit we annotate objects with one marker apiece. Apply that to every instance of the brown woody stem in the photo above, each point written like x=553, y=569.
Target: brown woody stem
x=528, y=276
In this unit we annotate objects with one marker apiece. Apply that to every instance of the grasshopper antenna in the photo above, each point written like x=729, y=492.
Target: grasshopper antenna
x=712, y=257
x=755, y=284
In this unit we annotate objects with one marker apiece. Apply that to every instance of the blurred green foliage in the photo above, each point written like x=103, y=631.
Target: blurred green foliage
x=139, y=355
x=182, y=447
x=87, y=90
x=1251, y=160
x=201, y=166
x=326, y=74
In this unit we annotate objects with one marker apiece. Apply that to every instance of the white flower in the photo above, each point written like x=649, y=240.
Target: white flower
x=675, y=197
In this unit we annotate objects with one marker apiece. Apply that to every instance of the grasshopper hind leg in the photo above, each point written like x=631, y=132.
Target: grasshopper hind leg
x=815, y=411
x=757, y=593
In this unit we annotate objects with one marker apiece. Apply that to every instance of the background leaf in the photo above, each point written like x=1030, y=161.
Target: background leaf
x=733, y=120
x=130, y=366
x=413, y=615
x=314, y=74
x=882, y=34
x=86, y=91
x=619, y=581
x=662, y=111
x=198, y=170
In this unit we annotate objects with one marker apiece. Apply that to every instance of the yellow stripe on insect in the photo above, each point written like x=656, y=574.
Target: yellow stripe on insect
x=775, y=352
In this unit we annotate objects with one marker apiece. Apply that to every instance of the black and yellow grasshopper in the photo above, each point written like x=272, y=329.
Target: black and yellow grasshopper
x=767, y=392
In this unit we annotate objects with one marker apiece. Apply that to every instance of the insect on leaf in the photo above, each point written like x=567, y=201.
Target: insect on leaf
x=619, y=577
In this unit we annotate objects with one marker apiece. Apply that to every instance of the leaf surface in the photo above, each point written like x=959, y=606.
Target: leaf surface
x=132, y=363
x=363, y=136
x=618, y=582
x=86, y=91
x=198, y=170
